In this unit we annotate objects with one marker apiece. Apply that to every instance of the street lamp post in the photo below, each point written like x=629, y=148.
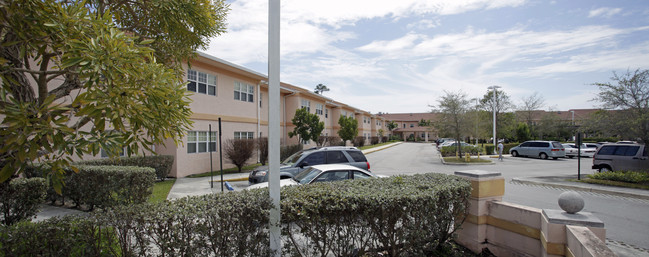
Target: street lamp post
x=476, y=120
x=495, y=98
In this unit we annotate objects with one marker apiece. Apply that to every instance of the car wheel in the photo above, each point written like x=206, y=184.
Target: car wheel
x=514, y=154
x=570, y=156
x=554, y=158
x=543, y=156
x=605, y=169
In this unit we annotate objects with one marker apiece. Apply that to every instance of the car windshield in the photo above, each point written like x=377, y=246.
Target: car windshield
x=293, y=158
x=307, y=175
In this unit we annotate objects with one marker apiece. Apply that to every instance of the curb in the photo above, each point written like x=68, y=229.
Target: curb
x=369, y=151
x=581, y=188
x=232, y=179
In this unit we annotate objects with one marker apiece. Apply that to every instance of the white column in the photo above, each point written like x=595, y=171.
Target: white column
x=273, y=125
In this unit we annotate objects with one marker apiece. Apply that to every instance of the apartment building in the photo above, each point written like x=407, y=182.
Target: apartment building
x=408, y=125
x=239, y=96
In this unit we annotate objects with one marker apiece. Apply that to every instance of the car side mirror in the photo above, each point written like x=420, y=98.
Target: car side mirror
x=303, y=164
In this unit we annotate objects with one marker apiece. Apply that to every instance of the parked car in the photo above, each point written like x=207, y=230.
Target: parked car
x=572, y=150
x=454, y=144
x=621, y=156
x=323, y=173
x=541, y=149
x=301, y=160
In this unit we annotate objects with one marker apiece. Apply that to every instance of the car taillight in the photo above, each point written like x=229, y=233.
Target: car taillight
x=368, y=165
x=556, y=150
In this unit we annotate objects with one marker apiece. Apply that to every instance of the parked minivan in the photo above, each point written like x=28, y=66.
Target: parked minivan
x=621, y=156
x=541, y=149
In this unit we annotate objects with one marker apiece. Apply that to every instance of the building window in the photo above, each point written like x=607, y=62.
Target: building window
x=412, y=125
x=244, y=135
x=326, y=113
x=260, y=97
x=318, y=109
x=198, y=141
x=343, y=113
x=201, y=82
x=307, y=105
x=243, y=92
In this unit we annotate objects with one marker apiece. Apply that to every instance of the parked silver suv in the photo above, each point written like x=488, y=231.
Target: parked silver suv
x=621, y=156
x=301, y=160
x=541, y=149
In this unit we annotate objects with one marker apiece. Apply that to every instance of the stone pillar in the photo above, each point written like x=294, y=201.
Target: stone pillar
x=553, y=225
x=486, y=186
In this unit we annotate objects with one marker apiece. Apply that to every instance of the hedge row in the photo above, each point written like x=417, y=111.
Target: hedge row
x=451, y=150
x=410, y=215
x=489, y=149
x=102, y=186
x=623, y=176
x=20, y=198
x=161, y=163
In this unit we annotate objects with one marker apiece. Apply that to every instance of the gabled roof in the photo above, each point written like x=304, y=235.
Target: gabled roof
x=409, y=117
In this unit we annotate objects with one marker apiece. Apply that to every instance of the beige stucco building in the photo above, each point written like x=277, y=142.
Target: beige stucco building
x=239, y=96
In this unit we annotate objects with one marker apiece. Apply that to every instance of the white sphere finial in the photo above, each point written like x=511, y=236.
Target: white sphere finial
x=571, y=202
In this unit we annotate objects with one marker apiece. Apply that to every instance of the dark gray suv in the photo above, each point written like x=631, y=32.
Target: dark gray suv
x=301, y=160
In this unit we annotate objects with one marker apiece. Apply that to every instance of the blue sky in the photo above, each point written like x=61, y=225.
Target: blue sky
x=400, y=56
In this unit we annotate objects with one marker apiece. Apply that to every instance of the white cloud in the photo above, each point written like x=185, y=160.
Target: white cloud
x=605, y=12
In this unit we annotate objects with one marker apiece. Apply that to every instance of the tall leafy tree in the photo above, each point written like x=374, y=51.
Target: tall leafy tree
x=78, y=76
x=453, y=107
x=320, y=88
x=348, y=128
x=391, y=125
x=629, y=93
x=307, y=126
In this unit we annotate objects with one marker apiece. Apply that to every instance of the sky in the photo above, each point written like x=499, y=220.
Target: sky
x=402, y=56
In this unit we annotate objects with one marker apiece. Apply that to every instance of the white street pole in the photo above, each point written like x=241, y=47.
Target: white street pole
x=494, y=105
x=273, y=125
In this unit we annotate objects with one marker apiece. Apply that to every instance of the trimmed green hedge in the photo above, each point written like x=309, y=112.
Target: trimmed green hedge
x=489, y=149
x=622, y=176
x=102, y=186
x=405, y=215
x=20, y=197
x=161, y=163
x=451, y=150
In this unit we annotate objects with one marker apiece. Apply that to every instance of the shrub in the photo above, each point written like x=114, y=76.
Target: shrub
x=336, y=141
x=103, y=186
x=161, y=163
x=239, y=151
x=489, y=149
x=287, y=150
x=451, y=150
x=20, y=197
x=59, y=236
x=262, y=145
x=384, y=139
x=374, y=140
x=409, y=215
x=403, y=216
x=359, y=141
x=623, y=176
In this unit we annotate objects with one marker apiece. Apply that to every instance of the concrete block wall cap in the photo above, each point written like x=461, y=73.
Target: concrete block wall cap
x=478, y=173
x=586, y=219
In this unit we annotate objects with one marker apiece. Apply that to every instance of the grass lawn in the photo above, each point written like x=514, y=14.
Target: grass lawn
x=612, y=183
x=245, y=169
x=453, y=159
x=376, y=145
x=161, y=190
